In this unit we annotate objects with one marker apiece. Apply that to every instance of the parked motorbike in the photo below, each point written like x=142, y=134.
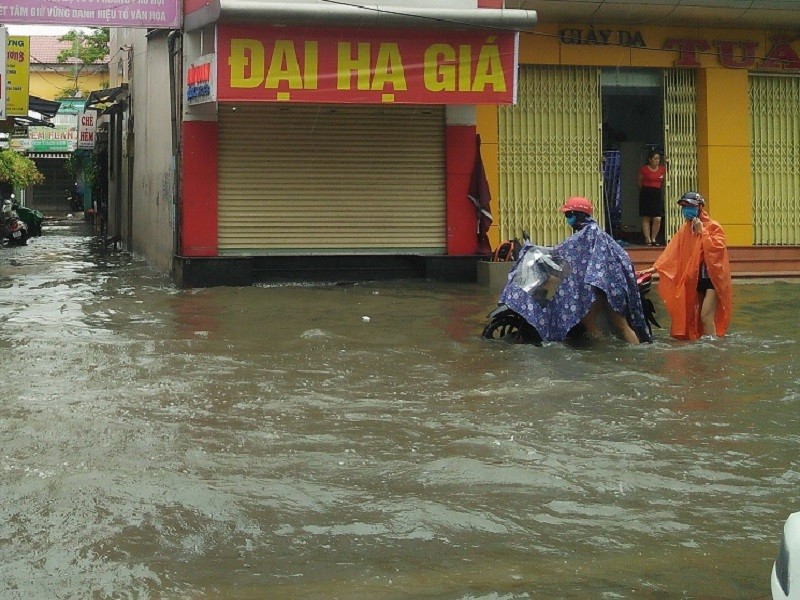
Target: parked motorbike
x=75, y=200
x=540, y=275
x=32, y=218
x=13, y=230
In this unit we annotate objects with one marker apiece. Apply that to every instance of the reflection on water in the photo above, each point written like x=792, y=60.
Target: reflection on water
x=272, y=442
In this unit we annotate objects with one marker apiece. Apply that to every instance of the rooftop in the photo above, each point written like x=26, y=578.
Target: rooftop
x=46, y=48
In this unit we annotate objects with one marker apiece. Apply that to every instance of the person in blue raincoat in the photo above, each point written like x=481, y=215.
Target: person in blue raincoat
x=601, y=279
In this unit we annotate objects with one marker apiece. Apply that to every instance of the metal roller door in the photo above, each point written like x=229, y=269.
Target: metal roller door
x=50, y=196
x=331, y=179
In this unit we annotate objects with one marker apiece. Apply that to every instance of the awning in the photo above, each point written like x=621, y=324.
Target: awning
x=108, y=101
x=31, y=120
x=40, y=111
x=729, y=14
x=333, y=14
x=46, y=108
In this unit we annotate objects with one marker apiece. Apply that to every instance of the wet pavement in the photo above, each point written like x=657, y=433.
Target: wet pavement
x=362, y=441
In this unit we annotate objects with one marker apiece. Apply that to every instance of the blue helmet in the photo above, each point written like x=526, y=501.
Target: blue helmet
x=692, y=199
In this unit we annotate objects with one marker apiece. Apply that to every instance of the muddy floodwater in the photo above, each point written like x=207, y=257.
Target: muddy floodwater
x=362, y=442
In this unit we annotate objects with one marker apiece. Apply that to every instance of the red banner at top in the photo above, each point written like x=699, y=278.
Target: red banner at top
x=284, y=64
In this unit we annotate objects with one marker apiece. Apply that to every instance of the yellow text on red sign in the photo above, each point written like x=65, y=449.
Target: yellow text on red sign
x=379, y=66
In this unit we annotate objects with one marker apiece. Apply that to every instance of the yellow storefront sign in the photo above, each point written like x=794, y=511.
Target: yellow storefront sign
x=17, y=75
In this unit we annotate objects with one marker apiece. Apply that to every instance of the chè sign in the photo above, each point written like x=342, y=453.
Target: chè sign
x=87, y=127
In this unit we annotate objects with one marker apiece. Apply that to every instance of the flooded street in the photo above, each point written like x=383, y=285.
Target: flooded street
x=363, y=442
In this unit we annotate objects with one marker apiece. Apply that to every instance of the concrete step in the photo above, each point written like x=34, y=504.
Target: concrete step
x=746, y=261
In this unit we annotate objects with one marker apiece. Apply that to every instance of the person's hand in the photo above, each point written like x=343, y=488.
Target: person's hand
x=697, y=226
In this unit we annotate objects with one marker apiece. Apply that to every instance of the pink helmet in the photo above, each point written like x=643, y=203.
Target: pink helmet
x=578, y=204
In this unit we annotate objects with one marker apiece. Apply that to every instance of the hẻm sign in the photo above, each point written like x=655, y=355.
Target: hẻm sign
x=87, y=127
x=152, y=14
x=303, y=64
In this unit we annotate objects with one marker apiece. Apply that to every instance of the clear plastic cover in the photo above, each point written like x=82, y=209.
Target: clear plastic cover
x=539, y=273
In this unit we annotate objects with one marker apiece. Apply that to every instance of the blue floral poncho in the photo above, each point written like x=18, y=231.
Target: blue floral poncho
x=595, y=261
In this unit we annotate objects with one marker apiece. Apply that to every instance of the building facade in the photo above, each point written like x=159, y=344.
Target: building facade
x=50, y=79
x=713, y=87
x=258, y=162
x=283, y=173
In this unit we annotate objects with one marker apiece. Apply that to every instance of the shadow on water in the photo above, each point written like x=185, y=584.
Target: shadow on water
x=363, y=442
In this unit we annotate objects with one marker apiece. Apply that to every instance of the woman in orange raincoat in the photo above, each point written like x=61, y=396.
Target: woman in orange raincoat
x=695, y=276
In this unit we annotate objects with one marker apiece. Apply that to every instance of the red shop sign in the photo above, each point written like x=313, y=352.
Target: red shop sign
x=286, y=64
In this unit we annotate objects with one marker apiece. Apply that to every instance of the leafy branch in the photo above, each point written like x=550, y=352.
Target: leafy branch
x=85, y=49
x=18, y=170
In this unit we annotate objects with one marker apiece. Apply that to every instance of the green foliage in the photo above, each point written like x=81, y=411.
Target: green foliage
x=85, y=163
x=20, y=171
x=85, y=49
x=69, y=92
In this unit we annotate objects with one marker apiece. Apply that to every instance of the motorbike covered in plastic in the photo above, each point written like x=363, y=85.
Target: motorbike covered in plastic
x=32, y=218
x=552, y=289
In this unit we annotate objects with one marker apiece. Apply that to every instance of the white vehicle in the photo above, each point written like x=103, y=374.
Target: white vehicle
x=786, y=570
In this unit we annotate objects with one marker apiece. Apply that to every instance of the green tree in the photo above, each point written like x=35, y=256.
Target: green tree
x=85, y=50
x=18, y=170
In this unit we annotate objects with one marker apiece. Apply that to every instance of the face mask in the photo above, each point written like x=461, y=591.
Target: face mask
x=690, y=212
x=572, y=221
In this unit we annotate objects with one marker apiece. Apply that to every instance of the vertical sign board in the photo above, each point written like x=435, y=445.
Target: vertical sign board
x=87, y=127
x=18, y=61
x=3, y=38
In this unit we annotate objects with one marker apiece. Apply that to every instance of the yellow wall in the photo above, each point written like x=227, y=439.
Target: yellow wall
x=722, y=117
x=723, y=132
x=49, y=84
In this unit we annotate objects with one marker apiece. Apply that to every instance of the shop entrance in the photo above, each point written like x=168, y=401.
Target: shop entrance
x=633, y=125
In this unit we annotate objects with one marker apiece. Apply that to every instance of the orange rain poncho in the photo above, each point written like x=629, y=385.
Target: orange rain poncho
x=679, y=268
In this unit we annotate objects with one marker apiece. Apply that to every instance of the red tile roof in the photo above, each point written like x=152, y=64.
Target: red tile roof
x=46, y=48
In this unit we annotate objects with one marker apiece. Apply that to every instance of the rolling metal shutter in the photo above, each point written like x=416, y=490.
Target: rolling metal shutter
x=50, y=196
x=331, y=179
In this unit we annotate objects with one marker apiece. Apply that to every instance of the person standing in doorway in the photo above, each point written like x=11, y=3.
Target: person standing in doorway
x=651, y=202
